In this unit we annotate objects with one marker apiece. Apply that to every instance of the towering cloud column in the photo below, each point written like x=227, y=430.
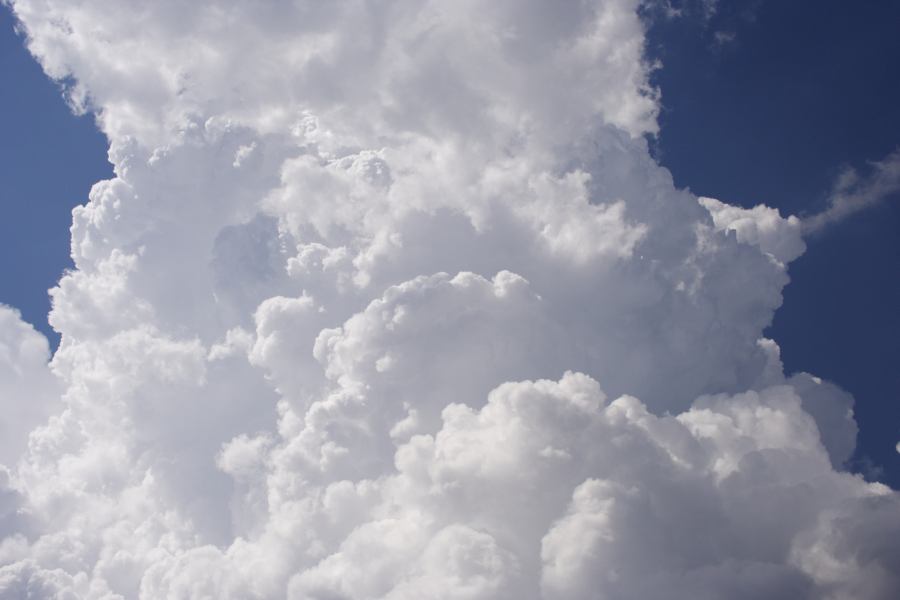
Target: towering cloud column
x=389, y=300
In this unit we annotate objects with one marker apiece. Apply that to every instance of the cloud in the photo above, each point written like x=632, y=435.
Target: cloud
x=853, y=193
x=390, y=300
x=29, y=391
x=761, y=226
x=724, y=37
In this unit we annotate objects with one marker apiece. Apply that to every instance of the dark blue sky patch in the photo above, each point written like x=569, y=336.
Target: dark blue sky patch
x=796, y=93
x=49, y=159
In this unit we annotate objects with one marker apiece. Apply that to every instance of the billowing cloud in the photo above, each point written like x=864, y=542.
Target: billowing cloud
x=390, y=300
x=760, y=226
x=28, y=391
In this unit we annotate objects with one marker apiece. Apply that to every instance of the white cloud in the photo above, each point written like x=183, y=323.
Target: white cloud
x=339, y=326
x=29, y=392
x=854, y=192
x=761, y=226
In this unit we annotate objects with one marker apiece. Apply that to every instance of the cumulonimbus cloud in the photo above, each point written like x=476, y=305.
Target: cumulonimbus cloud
x=390, y=300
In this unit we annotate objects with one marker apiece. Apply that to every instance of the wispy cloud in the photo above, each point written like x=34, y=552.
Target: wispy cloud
x=854, y=192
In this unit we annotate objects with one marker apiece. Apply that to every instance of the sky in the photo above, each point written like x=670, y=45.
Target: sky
x=772, y=116
x=39, y=132
x=352, y=302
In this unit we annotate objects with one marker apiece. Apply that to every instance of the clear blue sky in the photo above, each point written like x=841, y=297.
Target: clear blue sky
x=802, y=89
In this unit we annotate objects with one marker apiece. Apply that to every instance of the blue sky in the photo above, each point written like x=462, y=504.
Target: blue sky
x=49, y=159
x=771, y=114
